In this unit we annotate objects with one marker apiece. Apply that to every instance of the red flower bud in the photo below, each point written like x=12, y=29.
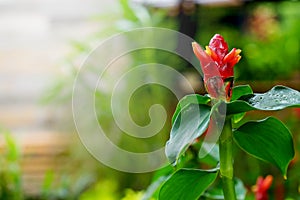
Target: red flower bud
x=217, y=53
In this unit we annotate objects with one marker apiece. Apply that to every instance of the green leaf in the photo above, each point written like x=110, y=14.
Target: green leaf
x=237, y=92
x=191, y=123
x=215, y=127
x=238, y=106
x=189, y=99
x=238, y=117
x=187, y=184
x=240, y=90
x=217, y=191
x=268, y=140
x=164, y=171
x=279, y=97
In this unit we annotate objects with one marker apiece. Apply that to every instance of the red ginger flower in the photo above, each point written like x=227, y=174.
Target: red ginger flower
x=217, y=62
x=262, y=186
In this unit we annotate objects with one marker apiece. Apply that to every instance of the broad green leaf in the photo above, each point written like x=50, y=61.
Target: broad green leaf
x=189, y=99
x=268, y=140
x=238, y=106
x=240, y=90
x=191, y=123
x=217, y=191
x=187, y=184
x=279, y=97
x=215, y=127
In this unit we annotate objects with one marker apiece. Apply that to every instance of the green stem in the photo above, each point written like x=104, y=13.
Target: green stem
x=226, y=161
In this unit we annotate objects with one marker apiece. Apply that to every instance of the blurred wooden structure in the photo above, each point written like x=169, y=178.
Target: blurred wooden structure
x=40, y=153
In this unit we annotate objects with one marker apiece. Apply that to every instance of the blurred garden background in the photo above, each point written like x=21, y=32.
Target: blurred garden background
x=42, y=46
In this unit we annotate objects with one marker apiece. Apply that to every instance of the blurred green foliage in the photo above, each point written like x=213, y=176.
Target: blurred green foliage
x=10, y=171
x=108, y=190
x=105, y=189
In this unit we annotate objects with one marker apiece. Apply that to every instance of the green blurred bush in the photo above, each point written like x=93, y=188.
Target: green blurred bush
x=10, y=170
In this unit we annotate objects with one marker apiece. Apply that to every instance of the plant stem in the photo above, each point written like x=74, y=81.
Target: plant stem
x=226, y=161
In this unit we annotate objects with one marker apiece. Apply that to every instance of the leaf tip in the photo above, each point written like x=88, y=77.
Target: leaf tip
x=285, y=177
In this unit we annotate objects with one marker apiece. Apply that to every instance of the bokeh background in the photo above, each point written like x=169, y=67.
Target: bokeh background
x=42, y=45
